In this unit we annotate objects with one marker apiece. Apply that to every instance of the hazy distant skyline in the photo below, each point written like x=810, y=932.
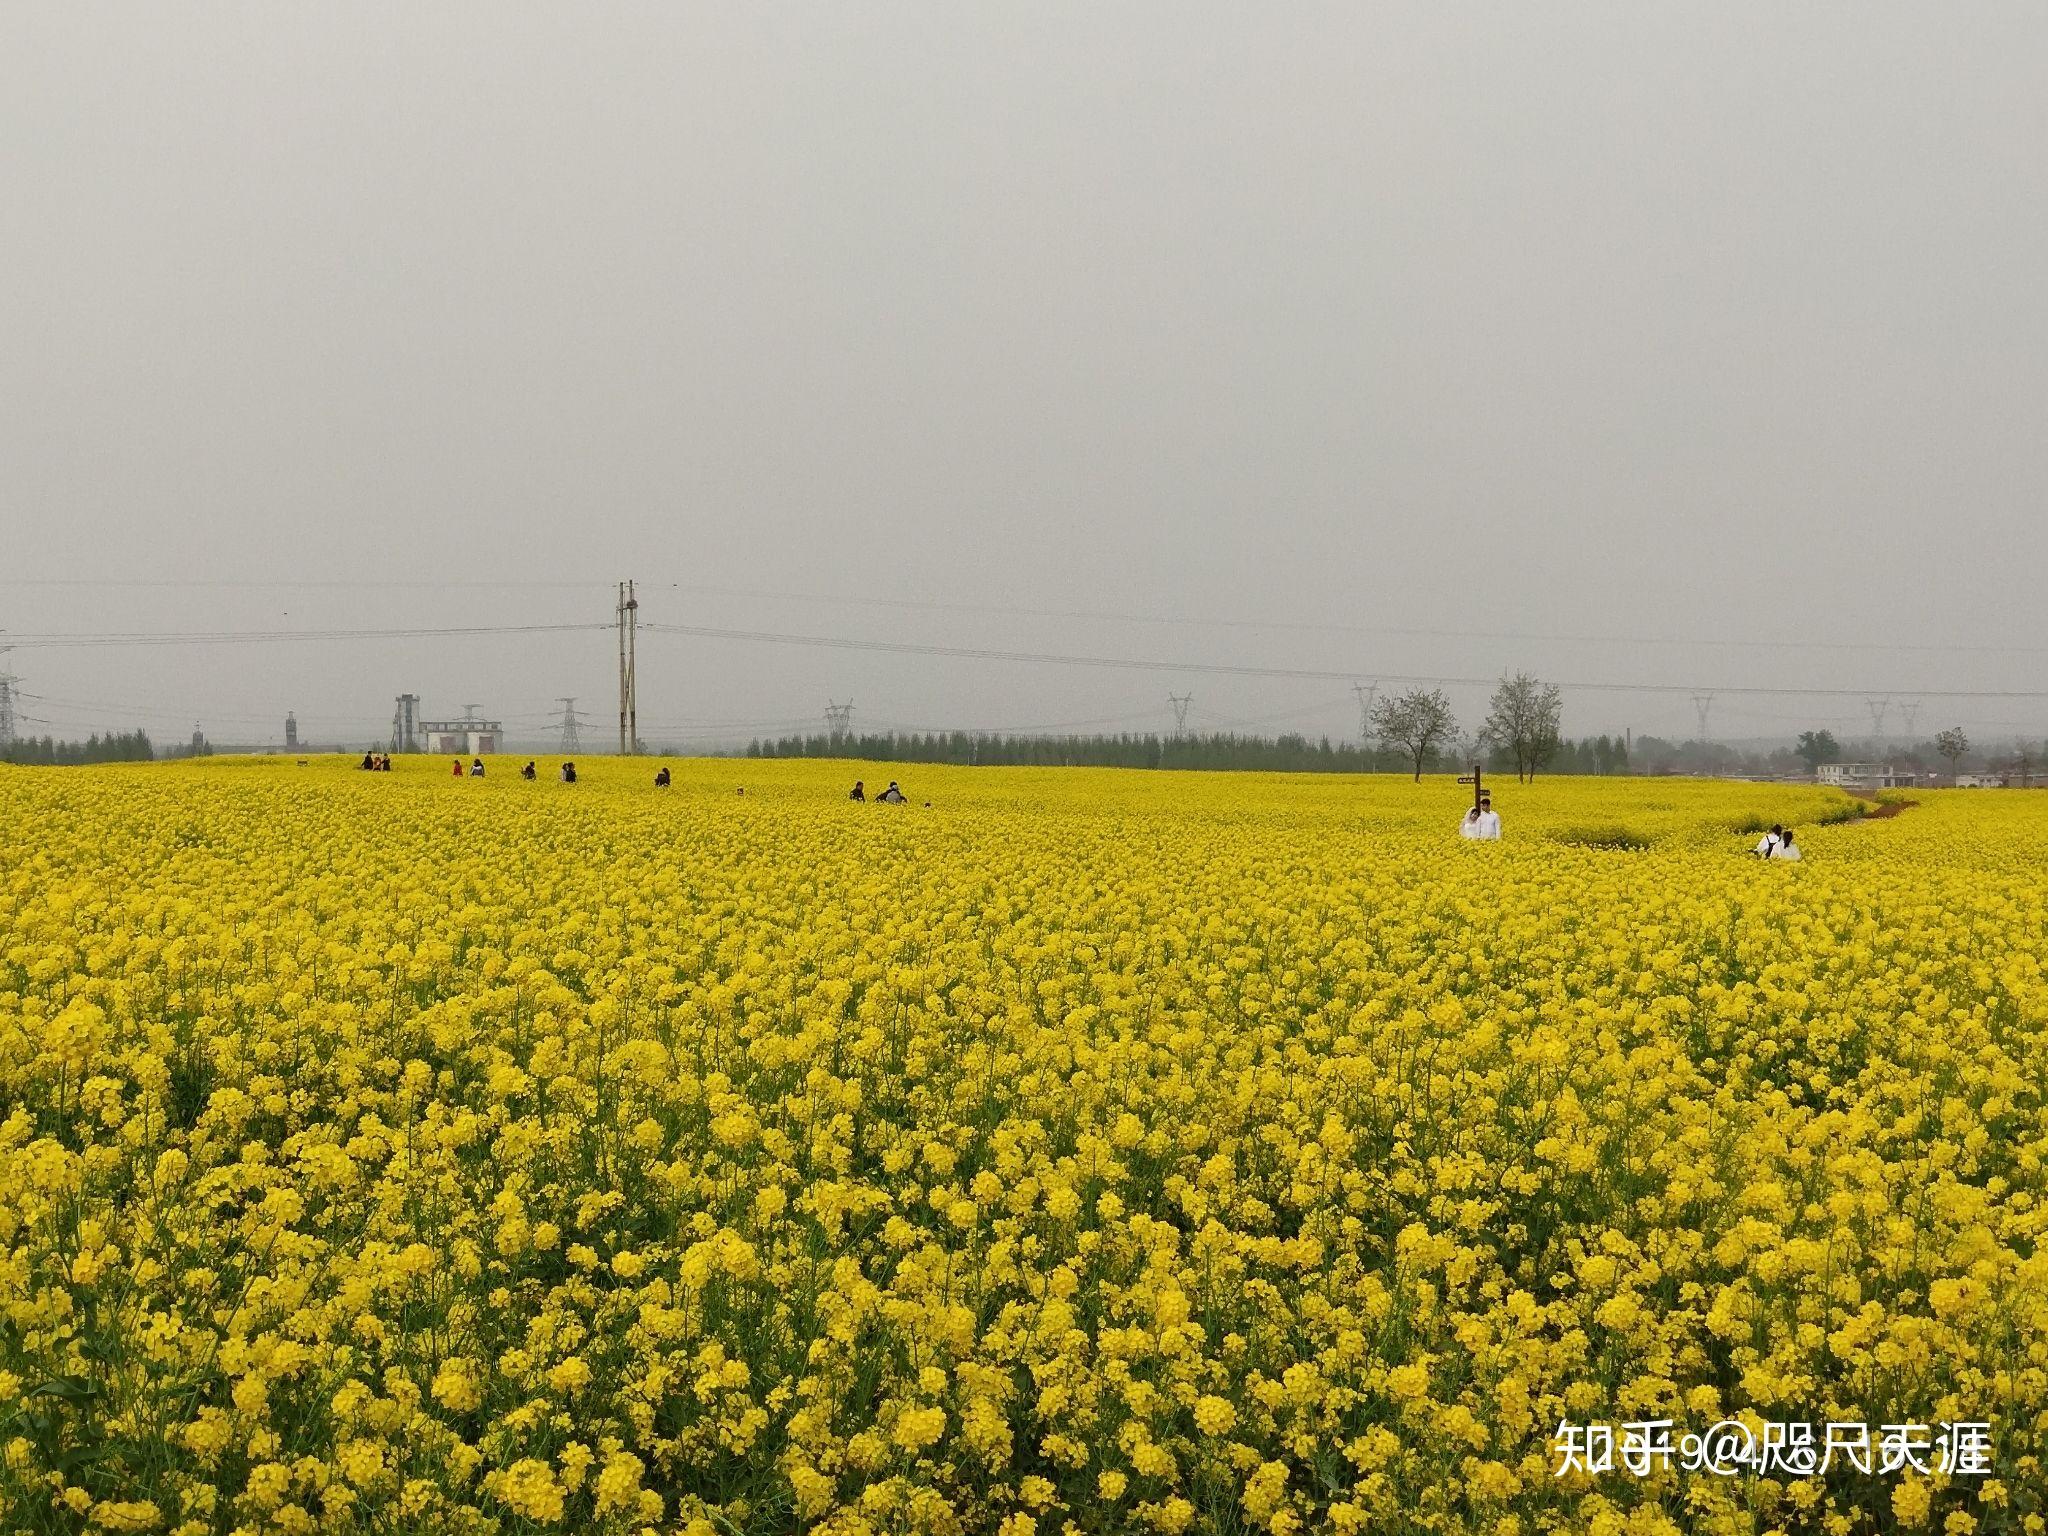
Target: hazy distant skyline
x=1688, y=326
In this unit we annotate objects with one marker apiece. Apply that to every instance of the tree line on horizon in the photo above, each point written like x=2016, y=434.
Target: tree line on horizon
x=114, y=747
x=1216, y=751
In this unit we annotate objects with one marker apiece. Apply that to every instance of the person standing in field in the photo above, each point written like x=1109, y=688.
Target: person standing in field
x=1489, y=821
x=661, y=777
x=476, y=769
x=568, y=773
x=859, y=792
x=458, y=767
x=891, y=796
x=1469, y=827
x=529, y=772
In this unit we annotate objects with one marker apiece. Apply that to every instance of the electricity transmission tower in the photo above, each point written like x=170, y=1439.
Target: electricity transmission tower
x=7, y=682
x=571, y=742
x=839, y=720
x=1366, y=692
x=1180, y=702
x=1703, y=702
x=1910, y=708
x=629, y=708
x=1878, y=708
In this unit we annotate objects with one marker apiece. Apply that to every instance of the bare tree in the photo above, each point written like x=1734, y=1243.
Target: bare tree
x=1524, y=721
x=1952, y=744
x=1416, y=722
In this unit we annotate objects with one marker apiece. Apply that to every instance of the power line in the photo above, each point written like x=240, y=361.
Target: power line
x=1223, y=669
x=928, y=605
x=265, y=636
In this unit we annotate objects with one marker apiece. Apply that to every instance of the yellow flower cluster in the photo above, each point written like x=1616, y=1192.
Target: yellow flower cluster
x=1083, y=1152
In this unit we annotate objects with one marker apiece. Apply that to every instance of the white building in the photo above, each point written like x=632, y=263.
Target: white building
x=461, y=738
x=1865, y=776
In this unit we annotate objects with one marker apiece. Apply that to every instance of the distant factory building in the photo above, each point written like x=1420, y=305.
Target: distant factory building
x=1866, y=776
x=461, y=738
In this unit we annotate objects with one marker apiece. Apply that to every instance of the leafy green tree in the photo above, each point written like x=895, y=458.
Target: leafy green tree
x=1952, y=744
x=1817, y=747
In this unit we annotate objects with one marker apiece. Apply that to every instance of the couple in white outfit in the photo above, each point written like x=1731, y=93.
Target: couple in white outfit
x=1482, y=822
x=1777, y=844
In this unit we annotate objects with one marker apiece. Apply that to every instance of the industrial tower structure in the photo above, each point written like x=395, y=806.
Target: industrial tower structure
x=405, y=724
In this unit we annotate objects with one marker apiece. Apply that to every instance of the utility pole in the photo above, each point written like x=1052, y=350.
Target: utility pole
x=1180, y=702
x=629, y=709
x=571, y=742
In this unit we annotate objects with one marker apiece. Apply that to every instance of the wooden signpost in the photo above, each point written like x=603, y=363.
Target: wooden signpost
x=1472, y=778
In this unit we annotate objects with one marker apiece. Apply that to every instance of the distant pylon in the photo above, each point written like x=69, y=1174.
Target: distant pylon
x=1180, y=702
x=7, y=682
x=1702, y=702
x=839, y=719
x=1878, y=708
x=1366, y=692
x=1910, y=708
x=571, y=742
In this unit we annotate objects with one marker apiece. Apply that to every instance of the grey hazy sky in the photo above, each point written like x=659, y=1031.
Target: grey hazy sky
x=1682, y=324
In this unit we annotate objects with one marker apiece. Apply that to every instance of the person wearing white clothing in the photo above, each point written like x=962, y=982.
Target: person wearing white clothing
x=1488, y=826
x=1787, y=849
x=1768, y=843
x=1469, y=827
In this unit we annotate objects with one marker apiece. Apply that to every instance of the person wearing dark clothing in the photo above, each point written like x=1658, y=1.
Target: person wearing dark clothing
x=369, y=761
x=661, y=778
x=568, y=773
x=891, y=796
x=476, y=769
x=859, y=791
x=529, y=772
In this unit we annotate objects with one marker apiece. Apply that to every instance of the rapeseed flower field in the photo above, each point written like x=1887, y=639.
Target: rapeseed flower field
x=1087, y=1151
